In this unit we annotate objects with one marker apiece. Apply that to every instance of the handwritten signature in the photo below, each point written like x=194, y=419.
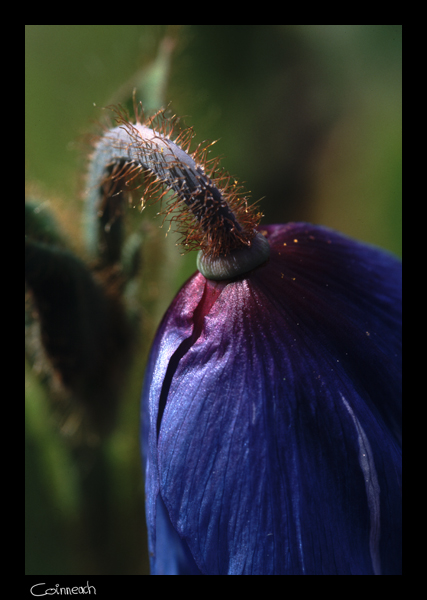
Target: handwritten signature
x=39, y=591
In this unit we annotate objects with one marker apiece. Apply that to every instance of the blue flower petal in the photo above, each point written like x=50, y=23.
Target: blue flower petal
x=277, y=446
x=172, y=554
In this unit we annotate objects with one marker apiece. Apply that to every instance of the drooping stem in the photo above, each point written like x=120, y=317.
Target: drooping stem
x=213, y=218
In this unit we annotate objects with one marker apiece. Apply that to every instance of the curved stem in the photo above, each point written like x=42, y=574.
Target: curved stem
x=213, y=217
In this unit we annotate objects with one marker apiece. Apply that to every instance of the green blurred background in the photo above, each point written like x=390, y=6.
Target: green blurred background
x=308, y=116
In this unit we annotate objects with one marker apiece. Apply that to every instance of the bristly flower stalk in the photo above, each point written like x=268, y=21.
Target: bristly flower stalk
x=214, y=215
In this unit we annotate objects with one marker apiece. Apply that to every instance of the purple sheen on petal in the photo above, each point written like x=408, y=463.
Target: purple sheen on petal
x=179, y=324
x=278, y=447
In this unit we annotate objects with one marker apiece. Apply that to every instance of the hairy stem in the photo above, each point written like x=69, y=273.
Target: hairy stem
x=213, y=218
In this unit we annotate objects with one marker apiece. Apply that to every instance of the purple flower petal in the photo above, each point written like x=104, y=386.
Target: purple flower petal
x=272, y=414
